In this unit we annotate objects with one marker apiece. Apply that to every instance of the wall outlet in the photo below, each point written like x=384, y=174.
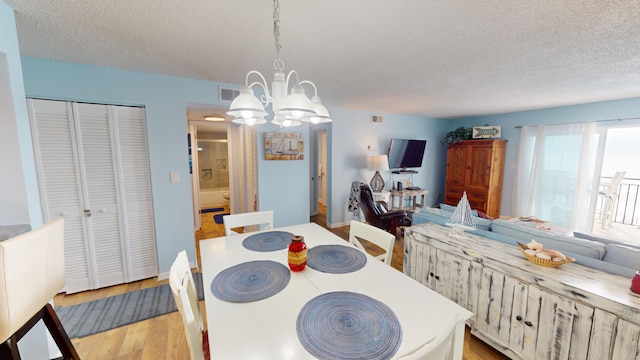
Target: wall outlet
x=175, y=177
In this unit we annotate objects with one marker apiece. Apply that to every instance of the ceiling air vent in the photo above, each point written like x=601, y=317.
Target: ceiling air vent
x=226, y=94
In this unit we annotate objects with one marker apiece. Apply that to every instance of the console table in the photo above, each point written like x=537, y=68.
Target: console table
x=414, y=204
x=524, y=310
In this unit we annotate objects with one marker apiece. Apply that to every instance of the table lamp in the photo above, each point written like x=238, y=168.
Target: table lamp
x=377, y=163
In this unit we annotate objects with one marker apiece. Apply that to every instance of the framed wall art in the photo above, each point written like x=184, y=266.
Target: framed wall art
x=283, y=146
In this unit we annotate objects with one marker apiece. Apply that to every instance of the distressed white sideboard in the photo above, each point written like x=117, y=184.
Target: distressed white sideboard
x=525, y=310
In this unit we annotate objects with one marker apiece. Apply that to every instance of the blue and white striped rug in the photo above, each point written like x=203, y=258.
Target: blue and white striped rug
x=104, y=314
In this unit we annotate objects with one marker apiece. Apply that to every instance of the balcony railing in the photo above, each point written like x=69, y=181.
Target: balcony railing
x=626, y=210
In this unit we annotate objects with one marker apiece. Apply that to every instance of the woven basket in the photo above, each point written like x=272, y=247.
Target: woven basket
x=549, y=263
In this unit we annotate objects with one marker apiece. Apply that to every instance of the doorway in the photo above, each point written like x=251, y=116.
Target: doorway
x=238, y=165
x=619, y=153
x=210, y=161
x=318, y=174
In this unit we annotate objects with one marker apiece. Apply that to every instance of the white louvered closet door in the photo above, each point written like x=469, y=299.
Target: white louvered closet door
x=110, y=177
x=54, y=144
x=135, y=184
x=97, y=170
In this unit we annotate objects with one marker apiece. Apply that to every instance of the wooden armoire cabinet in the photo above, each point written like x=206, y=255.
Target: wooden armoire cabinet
x=477, y=167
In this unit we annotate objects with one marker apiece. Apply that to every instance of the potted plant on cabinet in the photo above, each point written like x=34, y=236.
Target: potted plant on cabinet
x=454, y=136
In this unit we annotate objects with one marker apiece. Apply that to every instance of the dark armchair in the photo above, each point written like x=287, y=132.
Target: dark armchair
x=381, y=218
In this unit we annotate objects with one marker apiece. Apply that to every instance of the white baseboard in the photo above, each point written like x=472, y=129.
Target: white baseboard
x=165, y=275
x=335, y=225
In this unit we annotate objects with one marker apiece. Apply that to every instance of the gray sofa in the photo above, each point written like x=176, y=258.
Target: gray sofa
x=599, y=253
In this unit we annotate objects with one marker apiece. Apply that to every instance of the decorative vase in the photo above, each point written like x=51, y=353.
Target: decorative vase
x=297, y=253
x=377, y=182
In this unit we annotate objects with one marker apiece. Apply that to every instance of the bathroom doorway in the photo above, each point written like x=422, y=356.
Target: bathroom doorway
x=210, y=163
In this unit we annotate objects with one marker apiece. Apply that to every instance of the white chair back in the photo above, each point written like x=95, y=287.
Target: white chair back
x=439, y=348
x=610, y=199
x=359, y=230
x=31, y=274
x=611, y=187
x=263, y=220
x=186, y=297
x=615, y=182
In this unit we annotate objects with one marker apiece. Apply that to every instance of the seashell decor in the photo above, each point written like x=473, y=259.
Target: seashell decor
x=537, y=254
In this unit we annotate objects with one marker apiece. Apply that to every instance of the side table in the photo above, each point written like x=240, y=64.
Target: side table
x=414, y=204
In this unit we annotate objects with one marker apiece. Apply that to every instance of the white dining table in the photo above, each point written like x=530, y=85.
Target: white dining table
x=266, y=329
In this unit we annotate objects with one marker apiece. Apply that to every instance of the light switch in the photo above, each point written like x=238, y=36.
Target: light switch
x=175, y=178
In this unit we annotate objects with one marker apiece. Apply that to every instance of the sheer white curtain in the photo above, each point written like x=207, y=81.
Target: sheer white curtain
x=556, y=173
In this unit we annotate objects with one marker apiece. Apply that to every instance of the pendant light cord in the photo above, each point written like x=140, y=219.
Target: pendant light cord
x=278, y=64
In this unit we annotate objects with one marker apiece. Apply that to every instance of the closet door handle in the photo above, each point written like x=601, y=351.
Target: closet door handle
x=87, y=213
x=528, y=323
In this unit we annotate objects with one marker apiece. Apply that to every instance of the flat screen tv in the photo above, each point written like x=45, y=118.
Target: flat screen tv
x=406, y=153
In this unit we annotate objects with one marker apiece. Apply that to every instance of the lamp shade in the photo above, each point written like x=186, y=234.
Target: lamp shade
x=285, y=120
x=378, y=162
x=297, y=104
x=321, y=115
x=246, y=105
x=249, y=121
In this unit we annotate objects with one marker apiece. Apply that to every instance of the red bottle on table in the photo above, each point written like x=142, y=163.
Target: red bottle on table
x=297, y=253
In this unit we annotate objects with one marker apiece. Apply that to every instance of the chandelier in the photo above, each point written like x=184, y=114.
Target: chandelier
x=288, y=109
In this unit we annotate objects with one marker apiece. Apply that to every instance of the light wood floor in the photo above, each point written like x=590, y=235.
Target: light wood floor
x=163, y=337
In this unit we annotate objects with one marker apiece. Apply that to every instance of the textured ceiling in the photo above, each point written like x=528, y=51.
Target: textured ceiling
x=433, y=58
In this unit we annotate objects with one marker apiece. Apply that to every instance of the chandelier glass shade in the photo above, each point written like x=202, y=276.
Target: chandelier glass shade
x=247, y=109
x=289, y=109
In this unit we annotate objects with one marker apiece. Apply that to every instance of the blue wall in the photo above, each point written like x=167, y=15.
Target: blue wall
x=165, y=99
x=283, y=185
x=19, y=197
x=350, y=137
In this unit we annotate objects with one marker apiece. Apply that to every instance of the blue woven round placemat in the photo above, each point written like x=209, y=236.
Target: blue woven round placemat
x=347, y=325
x=250, y=281
x=335, y=259
x=268, y=241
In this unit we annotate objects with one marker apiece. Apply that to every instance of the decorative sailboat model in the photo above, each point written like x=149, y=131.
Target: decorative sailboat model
x=461, y=219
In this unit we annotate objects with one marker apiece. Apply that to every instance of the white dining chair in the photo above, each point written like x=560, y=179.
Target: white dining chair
x=32, y=272
x=440, y=348
x=359, y=230
x=262, y=220
x=184, y=293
